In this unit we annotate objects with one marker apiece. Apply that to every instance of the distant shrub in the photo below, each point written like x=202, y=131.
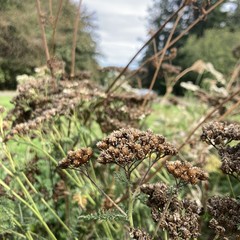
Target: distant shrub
x=215, y=47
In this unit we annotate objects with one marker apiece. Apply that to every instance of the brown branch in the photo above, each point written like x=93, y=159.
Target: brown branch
x=55, y=26
x=200, y=18
x=43, y=33
x=159, y=63
x=50, y=9
x=234, y=76
x=229, y=110
x=73, y=58
x=144, y=45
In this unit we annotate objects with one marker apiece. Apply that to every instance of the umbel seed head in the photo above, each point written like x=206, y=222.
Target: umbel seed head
x=76, y=158
x=129, y=145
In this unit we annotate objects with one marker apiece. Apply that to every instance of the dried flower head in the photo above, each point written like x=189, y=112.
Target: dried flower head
x=179, y=218
x=139, y=234
x=230, y=157
x=186, y=172
x=121, y=111
x=225, y=212
x=2, y=109
x=76, y=158
x=129, y=145
x=39, y=102
x=59, y=190
x=220, y=132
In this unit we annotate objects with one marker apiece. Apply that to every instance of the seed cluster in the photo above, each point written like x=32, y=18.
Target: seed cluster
x=139, y=234
x=179, y=218
x=129, y=145
x=26, y=127
x=230, y=157
x=186, y=172
x=76, y=158
x=39, y=98
x=225, y=212
x=121, y=111
x=220, y=132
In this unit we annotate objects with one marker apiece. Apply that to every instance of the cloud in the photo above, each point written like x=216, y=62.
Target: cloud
x=120, y=25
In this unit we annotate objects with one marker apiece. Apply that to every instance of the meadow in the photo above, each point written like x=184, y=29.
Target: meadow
x=93, y=154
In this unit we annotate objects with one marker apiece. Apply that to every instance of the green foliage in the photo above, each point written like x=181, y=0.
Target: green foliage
x=102, y=215
x=21, y=43
x=220, y=19
x=6, y=215
x=216, y=47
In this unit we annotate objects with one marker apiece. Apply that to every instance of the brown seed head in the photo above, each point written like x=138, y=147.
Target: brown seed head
x=76, y=158
x=186, y=172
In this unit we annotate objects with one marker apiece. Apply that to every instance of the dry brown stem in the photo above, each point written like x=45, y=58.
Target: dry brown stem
x=73, y=59
x=55, y=25
x=230, y=110
x=43, y=33
x=159, y=63
x=235, y=75
x=50, y=9
x=145, y=44
x=200, y=18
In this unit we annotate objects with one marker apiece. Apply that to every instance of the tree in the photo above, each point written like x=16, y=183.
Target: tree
x=20, y=40
x=218, y=52
x=160, y=11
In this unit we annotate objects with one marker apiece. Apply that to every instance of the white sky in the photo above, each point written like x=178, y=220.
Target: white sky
x=121, y=28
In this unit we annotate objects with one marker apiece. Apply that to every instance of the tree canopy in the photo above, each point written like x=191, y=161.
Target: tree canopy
x=223, y=18
x=21, y=43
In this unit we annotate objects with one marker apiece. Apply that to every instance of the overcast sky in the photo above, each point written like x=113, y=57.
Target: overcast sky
x=121, y=28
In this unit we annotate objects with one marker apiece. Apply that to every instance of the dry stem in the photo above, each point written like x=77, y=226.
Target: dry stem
x=55, y=25
x=200, y=18
x=43, y=33
x=234, y=76
x=159, y=63
x=72, y=74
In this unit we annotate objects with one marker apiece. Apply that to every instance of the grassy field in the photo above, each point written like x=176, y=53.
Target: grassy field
x=5, y=101
x=39, y=157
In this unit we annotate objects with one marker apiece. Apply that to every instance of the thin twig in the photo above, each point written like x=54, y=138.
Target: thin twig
x=92, y=181
x=50, y=8
x=200, y=18
x=234, y=76
x=55, y=25
x=41, y=24
x=163, y=215
x=159, y=63
x=229, y=110
x=73, y=59
x=145, y=44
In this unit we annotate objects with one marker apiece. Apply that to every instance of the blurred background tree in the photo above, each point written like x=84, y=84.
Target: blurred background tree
x=216, y=47
x=21, y=43
x=213, y=45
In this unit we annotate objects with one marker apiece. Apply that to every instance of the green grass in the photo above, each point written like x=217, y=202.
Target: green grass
x=172, y=120
x=5, y=102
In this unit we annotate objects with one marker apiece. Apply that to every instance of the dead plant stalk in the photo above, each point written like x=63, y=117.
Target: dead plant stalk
x=75, y=40
x=159, y=63
x=43, y=33
x=55, y=25
x=144, y=45
x=200, y=18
